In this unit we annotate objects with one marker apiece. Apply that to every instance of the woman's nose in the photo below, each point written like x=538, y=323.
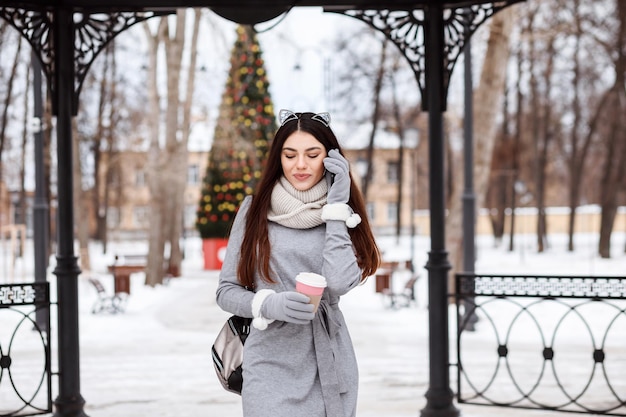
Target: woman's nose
x=301, y=163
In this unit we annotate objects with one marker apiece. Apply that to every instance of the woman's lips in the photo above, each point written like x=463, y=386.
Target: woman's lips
x=301, y=177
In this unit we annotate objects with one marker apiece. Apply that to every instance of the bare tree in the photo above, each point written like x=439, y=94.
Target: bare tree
x=517, y=141
x=176, y=253
x=103, y=135
x=378, y=85
x=167, y=162
x=543, y=143
x=535, y=123
x=614, y=137
x=578, y=144
x=557, y=92
x=93, y=146
x=22, y=168
x=399, y=127
x=156, y=161
x=80, y=197
x=487, y=99
x=4, y=121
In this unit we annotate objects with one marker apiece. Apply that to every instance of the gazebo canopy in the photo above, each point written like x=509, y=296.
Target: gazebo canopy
x=243, y=11
x=112, y=5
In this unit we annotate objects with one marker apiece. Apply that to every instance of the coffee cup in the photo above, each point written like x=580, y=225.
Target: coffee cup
x=311, y=285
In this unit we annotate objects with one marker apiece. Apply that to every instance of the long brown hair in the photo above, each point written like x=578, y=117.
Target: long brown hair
x=255, y=248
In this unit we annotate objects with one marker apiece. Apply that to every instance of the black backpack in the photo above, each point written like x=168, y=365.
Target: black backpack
x=227, y=352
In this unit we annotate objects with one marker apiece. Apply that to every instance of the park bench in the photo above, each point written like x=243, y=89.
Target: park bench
x=405, y=296
x=106, y=303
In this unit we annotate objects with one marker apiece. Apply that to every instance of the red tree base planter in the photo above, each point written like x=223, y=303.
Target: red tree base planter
x=214, y=250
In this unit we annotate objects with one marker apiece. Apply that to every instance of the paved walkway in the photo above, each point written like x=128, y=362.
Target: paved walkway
x=155, y=359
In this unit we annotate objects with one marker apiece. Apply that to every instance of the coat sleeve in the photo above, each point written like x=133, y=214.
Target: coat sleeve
x=231, y=296
x=340, y=266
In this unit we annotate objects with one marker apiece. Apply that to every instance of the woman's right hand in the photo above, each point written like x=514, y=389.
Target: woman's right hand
x=289, y=306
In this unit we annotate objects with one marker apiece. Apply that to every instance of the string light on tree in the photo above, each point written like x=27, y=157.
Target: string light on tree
x=245, y=124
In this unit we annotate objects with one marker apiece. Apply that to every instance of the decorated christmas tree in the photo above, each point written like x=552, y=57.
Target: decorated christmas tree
x=245, y=124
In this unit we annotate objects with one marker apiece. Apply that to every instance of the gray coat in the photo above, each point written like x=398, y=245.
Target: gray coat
x=292, y=370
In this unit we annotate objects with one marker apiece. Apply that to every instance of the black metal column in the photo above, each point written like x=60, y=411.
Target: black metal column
x=439, y=395
x=40, y=206
x=69, y=402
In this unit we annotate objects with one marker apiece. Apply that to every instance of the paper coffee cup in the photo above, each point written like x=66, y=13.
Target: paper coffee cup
x=311, y=285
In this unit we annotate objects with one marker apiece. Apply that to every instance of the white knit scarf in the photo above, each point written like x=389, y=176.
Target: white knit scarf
x=297, y=209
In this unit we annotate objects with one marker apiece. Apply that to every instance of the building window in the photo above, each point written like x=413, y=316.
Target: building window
x=392, y=172
x=392, y=213
x=193, y=174
x=141, y=217
x=114, y=178
x=361, y=170
x=189, y=216
x=113, y=217
x=140, y=178
x=369, y=207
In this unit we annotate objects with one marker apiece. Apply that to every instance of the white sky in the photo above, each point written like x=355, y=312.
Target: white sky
x=302, y=67
x=297, y=51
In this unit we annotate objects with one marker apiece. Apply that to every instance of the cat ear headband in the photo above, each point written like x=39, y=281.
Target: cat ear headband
x=285, y=116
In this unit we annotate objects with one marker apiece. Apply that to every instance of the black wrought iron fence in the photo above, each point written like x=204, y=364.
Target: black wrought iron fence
x=542, y=342
x=25, y=377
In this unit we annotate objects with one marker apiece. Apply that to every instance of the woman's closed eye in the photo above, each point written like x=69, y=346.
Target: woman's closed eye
x=311, y=156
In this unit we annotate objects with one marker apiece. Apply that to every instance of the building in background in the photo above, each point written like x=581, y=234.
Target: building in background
x=129, y=196
x=127, y=214
x=128, y=211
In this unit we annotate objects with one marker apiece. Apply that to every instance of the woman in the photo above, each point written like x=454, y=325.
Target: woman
x=307, y=215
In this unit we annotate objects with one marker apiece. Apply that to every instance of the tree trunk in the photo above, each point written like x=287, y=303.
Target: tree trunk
x=545, y=139
x=81, y=222
x=614, y=168
x=168, y=166
x=487, y=102
x=367, y=179
x=154, y=163
x=109, y=195
x=400, y=167
x=615, y=139
x=573, y=163
x=517, y=140
x=8, y=99
x=170, y=176
x=176, y=252
x=97, y=149
x=26, y=117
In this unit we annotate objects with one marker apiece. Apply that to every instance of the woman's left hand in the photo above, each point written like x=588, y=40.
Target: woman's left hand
x=337, y=167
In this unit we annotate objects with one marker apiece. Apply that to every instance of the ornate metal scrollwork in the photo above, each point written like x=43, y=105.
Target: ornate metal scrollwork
x=92, y=33
x=405, y=28
x=25, y=365
x=545, y=342
x=35, y=27
x=23, y=294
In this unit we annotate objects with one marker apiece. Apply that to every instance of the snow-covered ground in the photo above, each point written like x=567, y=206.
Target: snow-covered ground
x=154, y=360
